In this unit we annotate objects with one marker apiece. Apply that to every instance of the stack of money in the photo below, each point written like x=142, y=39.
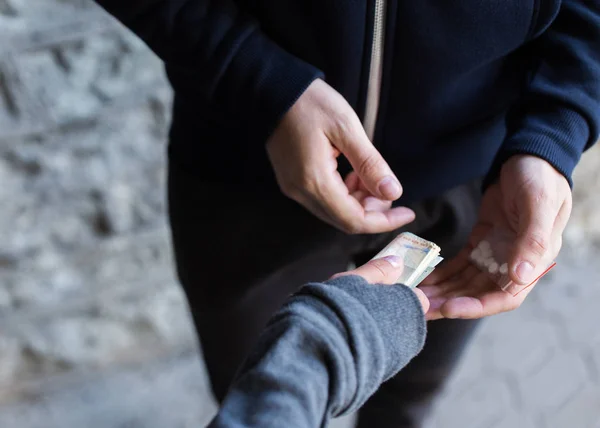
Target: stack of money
x=419, y=255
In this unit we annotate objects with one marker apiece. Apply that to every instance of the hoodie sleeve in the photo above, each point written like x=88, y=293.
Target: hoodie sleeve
x=558, y=116
x=324, y=354
x=221, y=55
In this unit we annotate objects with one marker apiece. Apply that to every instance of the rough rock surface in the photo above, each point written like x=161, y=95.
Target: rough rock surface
x=86, y=276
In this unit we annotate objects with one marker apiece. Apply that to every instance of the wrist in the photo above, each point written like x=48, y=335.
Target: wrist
x=533, y=164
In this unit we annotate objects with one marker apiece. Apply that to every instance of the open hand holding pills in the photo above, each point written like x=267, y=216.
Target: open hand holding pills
x=491, y=256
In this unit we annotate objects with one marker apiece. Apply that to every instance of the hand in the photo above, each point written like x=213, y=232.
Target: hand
x=386, y=270
x=303, y=151
x=533, y=200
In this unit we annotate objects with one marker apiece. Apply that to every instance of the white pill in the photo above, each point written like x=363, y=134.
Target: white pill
x=487, y=261
x=485, y=245
x=476, y=255
x=503, y=269
x=493, y=268
x=487, y=252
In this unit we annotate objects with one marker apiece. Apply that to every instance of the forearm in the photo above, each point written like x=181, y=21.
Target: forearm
x=221, y=58
x=324, y=354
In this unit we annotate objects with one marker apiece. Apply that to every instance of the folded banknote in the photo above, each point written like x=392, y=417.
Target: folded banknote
x=420, y=257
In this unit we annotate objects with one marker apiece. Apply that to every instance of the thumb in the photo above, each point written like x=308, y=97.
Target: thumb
x=423, y=299
x=533, y=243
x=368, y=163
x=386, y=270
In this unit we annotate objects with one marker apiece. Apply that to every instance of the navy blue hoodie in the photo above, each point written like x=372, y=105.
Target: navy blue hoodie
x=447, y=89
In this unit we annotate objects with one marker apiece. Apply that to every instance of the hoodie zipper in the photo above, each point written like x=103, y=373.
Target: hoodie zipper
x=375, y=70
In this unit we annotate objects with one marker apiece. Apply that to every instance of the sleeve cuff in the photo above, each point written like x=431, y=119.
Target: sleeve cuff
x=559, y=137
x=397, y=313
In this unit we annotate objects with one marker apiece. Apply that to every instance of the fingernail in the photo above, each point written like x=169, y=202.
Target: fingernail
x=524, y=272
x=390, y=188
x=395, y=261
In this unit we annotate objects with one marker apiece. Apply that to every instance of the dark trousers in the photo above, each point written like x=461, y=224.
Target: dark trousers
x=240, y=252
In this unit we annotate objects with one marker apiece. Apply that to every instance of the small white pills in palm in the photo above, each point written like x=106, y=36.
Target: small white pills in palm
x=490, y=255
x=485, y=248
x=503, y=268
x=483, y=256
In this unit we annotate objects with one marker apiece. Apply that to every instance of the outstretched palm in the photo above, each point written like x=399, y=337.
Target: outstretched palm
x=532, y=200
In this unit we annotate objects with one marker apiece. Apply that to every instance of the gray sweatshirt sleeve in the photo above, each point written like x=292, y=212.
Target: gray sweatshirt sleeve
x=324, y=354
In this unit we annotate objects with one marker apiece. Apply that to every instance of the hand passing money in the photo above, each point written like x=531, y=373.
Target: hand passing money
x=420, y=257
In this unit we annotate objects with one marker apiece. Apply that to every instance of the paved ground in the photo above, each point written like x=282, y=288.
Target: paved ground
x=536, y=367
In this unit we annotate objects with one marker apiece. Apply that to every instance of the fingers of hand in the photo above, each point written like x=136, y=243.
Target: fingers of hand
x=331, y=202
x=423, y=299
x=370, y=203
x=490, y=303
x=470, y=294
x=358, y=191
x=540, y=199
x=449, y=269
x=459, y=290
x=332, y=195
x=353, y=182
x=303, y=151
x=466, y=282
x=373, y=204
x=465, y=307
x=350, y=138
x=386, y=270
x=386, y=221
x=536, y=243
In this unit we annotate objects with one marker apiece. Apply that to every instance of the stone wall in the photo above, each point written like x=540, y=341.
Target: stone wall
x=85, y=269
x=86, y=277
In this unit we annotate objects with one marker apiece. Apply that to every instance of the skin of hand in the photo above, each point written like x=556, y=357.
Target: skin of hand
x=531, y=199
x=386, y=270
x=303, y=152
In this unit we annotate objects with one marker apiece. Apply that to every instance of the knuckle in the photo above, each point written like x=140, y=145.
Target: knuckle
x=307, y=181
x=369, y=165
x=345, y=123
x=540, y=197
x=537, y=243
x=381, y=266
